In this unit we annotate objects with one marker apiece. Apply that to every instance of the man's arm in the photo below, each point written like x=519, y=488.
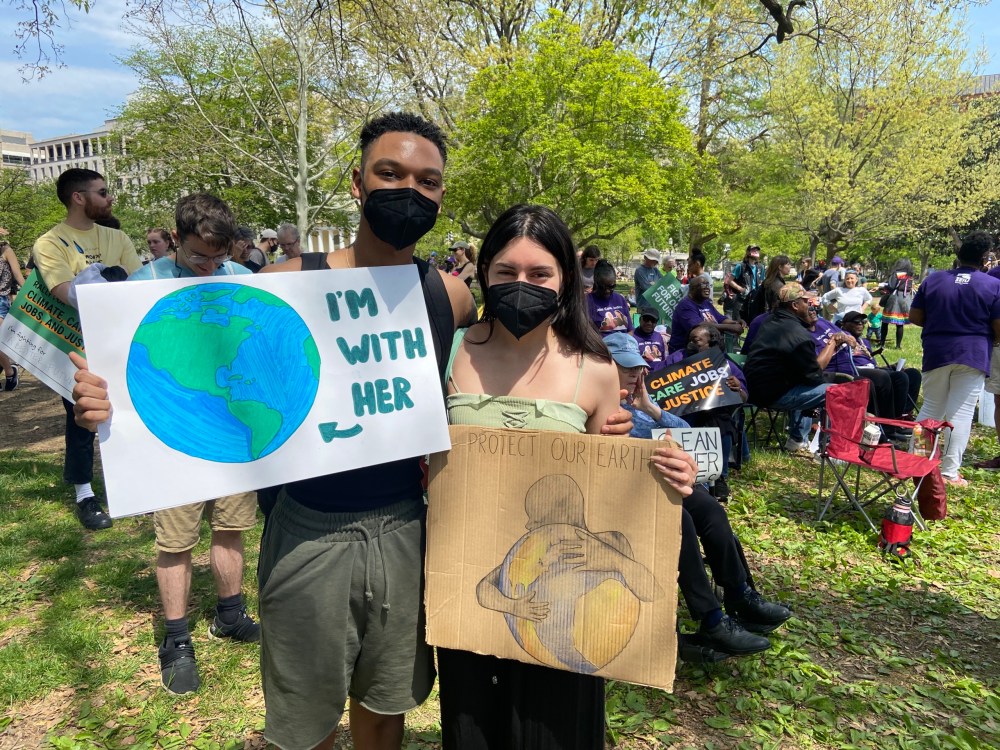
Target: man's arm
x=918, y=318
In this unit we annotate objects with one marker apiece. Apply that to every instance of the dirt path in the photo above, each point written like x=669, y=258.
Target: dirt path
x=32, y=417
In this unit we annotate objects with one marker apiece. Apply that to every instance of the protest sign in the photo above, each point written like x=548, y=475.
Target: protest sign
x=697, y=383
x=703, y=444
x=39, y=332
x=227, y=384
x=664, y=296
x=557, y=549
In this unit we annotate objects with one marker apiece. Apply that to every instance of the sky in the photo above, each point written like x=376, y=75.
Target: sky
x=93, y=85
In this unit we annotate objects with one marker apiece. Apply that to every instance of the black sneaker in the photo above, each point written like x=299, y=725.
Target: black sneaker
x=729, y=637
x=721, y=490
x=178, y=669
x=244, y=629
x=11, y=382
x=92, y=515
x=755, y=613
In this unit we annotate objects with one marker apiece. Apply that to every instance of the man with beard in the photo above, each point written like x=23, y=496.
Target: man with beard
x=60, y=255
x=783, y=370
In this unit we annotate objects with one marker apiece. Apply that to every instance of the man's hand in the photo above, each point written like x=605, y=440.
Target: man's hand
x=90, y=396
x=619, y=422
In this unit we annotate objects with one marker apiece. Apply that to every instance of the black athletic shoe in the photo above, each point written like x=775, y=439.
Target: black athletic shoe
x=92, y=515
x=721, y=490
x=244, y=629
x=11, y=382
x=178, y=669
x=729, y=637
x=755, y=613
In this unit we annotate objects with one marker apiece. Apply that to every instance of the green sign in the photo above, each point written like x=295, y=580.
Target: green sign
x=664, y=296
x=39, y=332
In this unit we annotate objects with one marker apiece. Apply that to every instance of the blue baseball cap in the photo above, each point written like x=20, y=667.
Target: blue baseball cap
x=625, y=350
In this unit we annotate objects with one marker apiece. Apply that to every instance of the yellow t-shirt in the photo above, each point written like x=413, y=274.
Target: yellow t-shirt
x=62, y=252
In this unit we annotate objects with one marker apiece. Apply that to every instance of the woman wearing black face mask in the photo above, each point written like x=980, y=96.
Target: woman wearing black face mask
x=535, y=362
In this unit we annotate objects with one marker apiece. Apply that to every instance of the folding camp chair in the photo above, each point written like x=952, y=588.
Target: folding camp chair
x=842, y=450
x=772, y=433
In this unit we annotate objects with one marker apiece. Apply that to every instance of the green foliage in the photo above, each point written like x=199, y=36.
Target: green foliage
x=877, y=655
x=589, y=131
x=27, y=210
x=868, y=125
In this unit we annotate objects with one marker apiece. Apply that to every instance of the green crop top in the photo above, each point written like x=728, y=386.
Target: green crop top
x=511, y=411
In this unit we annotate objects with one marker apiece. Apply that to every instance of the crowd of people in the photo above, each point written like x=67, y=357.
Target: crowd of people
x=555, y=347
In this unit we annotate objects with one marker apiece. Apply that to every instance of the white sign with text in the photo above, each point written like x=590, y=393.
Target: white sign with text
x=233, y=383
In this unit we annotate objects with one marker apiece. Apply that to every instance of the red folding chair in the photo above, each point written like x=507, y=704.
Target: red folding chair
x=842, y=450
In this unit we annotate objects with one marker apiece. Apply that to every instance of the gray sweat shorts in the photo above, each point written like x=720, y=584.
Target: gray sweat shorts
x=341, y=612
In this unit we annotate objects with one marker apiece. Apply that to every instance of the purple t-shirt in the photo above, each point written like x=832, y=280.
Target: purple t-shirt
x=841, y=360
x=755, y=325
x=652, y=348
x=994, y=272
x=687, y=315
x=609, y=315
x=959, y=305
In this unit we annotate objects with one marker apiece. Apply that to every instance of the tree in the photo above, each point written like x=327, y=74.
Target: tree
x=26, y=210
x=260, y=105
x=589, y=131
x=867, y=124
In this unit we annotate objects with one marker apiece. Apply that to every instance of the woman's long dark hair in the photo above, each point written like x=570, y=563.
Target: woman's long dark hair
x=774, y=268
x=542, y=225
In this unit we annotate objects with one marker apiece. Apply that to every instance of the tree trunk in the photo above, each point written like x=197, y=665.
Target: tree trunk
x=302, y=151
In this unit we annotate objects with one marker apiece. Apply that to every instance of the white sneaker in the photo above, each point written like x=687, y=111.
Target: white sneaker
x=793, y=445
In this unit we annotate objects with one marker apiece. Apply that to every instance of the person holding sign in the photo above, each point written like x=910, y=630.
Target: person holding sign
x=702, y=518
x=703, y=337
x=328, y=634
x=697, y=308
x=10, y=272
x=60, y=255
x=534, y=363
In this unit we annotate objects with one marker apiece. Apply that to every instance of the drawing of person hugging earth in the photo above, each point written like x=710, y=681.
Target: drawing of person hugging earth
x=570, y=595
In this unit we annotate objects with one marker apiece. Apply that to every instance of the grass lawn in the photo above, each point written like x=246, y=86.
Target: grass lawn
x=878, y=655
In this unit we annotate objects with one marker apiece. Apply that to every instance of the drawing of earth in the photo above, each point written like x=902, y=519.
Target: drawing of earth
x=592, y=615
x=223, y=372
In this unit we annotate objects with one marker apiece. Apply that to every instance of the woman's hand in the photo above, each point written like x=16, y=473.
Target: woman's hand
x=90, y=396
x=677, y=467
x=619, y=422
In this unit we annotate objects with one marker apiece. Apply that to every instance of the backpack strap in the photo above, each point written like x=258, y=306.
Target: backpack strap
x=313, y=261
x=439, y=312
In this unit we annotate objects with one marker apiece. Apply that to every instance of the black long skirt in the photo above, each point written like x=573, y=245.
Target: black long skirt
x=499, y=704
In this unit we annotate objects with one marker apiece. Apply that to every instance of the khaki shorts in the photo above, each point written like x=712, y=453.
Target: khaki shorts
x=177, y=529
x=993, y=381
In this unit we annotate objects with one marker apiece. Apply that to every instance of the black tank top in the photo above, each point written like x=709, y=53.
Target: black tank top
x=372, y=487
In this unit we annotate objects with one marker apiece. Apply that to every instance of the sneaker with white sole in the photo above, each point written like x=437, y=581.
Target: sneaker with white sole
x=244, y=629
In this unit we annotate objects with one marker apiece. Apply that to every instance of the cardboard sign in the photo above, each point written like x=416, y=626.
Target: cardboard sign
x=703, y=444
x=697, y=383
x=39, y=332
x=664, y=296
x=232, y=383
x=554, y=548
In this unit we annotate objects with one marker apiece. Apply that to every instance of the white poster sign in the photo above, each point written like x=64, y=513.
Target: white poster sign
x=703, y=444
x=227, y=384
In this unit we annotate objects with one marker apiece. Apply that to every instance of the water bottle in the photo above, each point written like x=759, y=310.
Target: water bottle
x=919, y=447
